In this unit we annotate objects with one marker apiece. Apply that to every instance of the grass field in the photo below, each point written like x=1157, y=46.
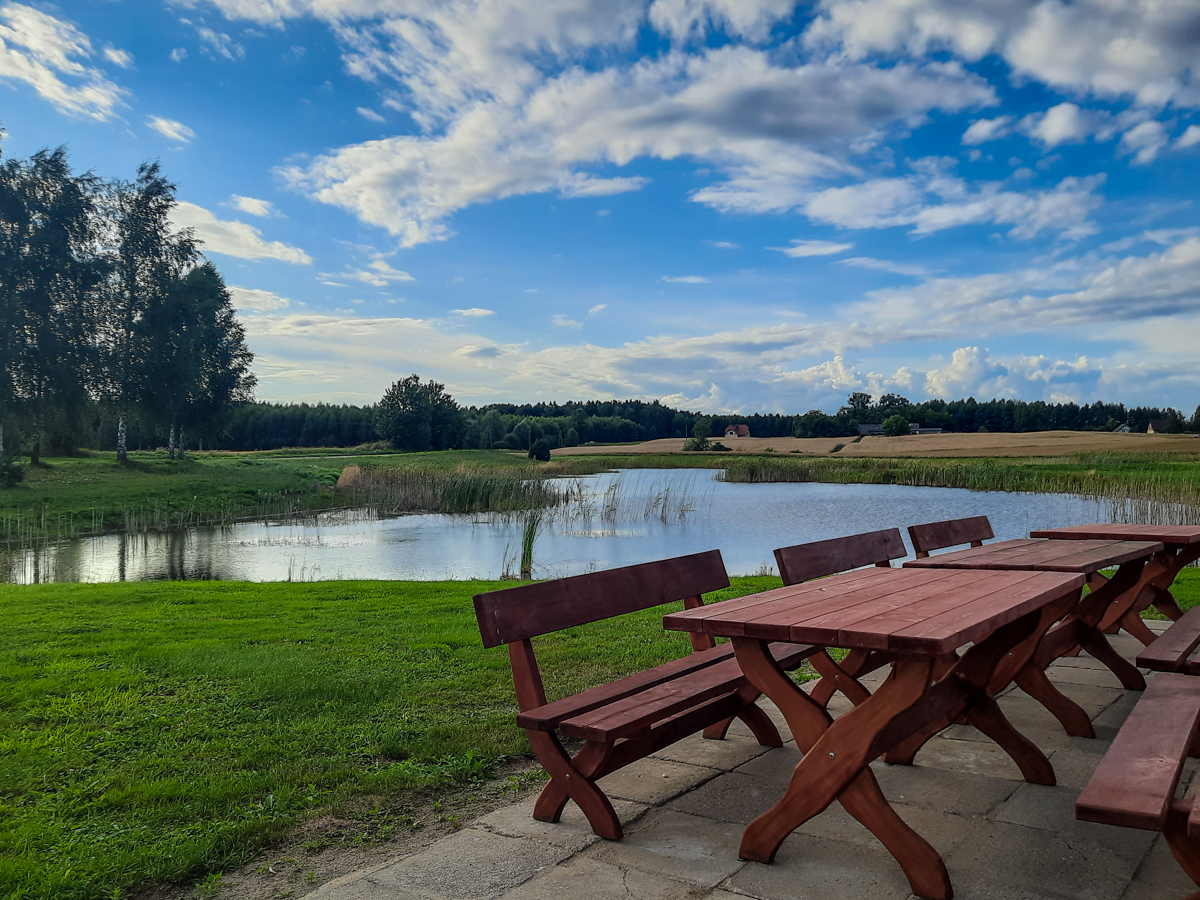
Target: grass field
x=163, y=732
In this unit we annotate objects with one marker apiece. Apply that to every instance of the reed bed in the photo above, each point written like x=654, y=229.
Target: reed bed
x=463, y=490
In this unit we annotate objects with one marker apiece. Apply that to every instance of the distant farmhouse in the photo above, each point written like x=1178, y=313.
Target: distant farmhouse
x=737, y=431
x=1122, y=429
x=867, y=430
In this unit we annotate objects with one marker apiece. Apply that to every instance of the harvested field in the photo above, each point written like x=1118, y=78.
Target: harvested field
x=1042, y=443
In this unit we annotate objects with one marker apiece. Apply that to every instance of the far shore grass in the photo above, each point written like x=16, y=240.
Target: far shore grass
x=93, y=494
x=162, y=733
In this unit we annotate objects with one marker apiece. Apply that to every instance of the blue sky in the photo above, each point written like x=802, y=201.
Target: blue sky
x=731, y=205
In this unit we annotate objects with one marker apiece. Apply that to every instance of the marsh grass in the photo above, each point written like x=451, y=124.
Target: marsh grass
x=165, y=732
x=463, y=490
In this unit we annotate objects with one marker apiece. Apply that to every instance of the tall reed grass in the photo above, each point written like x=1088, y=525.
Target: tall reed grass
x=396, y=490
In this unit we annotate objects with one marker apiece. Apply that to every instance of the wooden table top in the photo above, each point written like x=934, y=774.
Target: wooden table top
x=1171, y=535
x=1084, y=556
x=918, y=611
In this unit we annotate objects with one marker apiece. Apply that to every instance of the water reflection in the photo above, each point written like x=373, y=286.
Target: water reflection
x=746, y=521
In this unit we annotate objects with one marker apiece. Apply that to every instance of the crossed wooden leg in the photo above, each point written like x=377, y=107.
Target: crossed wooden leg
x=844, y=676
x=1184, y=847
x=1124, y=613
x=835, y=766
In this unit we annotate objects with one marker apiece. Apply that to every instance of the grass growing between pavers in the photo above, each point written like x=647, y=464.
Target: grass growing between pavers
x=164, y=732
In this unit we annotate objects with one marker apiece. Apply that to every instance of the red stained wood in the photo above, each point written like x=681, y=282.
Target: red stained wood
x=841, y=613
x=803, y=562
x=950, y=533
x=527, y=611
x=1171, y=535
x=1135, y=782
x=1171, y=651
x=1045, y=555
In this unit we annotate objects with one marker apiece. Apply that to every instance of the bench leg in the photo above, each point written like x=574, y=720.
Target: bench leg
x=571, y=779
x=756, y=720
x=1185, y=849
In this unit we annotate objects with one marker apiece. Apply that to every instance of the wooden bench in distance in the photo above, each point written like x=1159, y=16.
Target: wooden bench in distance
x=804, y=562
x=1134, y=785
x=1175, y=650
x=950, y=533
x=635, y=716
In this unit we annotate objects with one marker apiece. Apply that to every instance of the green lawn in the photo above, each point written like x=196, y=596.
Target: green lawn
x=165, y=731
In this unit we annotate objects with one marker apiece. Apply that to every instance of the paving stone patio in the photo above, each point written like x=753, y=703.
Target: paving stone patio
x=685, y=808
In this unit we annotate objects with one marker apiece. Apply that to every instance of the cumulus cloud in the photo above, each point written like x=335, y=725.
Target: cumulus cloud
x=179, y=54
x=975, y=372
x=171, y=129
x=1065, y=123
x=45, y=53
x=474, y=311
x=565, y=321
x=801, y=248
x=983, y=130
x=1145, y=141
x=252, y=206
x=234, y=238
x=1189, y=138
x=379, y=272
x=934, y=202
x=1143, y=51
x=256, y=300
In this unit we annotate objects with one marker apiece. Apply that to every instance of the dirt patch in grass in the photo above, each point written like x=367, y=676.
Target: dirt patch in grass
x=370, y=832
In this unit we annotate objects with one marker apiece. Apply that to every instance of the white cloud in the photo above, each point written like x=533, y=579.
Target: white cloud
x=217, y=43
x=1145, y=141
x=1142, y=50
x=769, y=128
x=255, y=300
x=179, y=54
x=234, y=238
x=802, y=248
x=45, y=53
x=686, y=20
x=1065, y=123
x=931, y=203
x=171, y=130
x=252, y=206
x=474, y=311
x=378, y=273
x=1189, y=138
x=563, y=321
x=725, y=245
x=599, y=307
x=370, y=114
x=975, y=372
x=983, y=130
x=118, y=57
x=885, y=265
x=684, y=279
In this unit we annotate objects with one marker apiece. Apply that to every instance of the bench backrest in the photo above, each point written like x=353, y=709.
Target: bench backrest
x=950, y=533
x=520, y=613
x=514, y=615
x=802, y=562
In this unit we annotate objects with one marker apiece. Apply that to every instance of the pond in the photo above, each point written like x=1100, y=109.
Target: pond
x=625, y=517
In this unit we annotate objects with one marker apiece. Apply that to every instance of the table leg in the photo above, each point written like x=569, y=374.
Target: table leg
x=836, y=766
x=1125, y=607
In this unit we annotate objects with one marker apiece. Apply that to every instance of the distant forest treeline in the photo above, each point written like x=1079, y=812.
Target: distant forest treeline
x=272, y=426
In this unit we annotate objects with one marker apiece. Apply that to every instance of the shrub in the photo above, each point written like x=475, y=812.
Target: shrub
x=540, y=450
x=895, y=426
x=12, y=472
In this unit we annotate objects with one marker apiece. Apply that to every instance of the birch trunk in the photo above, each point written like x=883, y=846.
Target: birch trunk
x=122, y=452
x=181, y=442
x=1, y=440
x=171, y=444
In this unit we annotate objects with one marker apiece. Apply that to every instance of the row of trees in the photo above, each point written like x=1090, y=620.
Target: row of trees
x=108, y=313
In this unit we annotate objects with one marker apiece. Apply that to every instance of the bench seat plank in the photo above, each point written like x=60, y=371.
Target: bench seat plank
x=1135, y=782
x=632, y=714
x=1171, y=650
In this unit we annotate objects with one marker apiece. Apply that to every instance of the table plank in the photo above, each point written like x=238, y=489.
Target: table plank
x=1171, y=535
x=1046, y=555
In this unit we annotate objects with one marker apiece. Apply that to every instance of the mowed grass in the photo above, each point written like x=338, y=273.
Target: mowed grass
x=163, y=732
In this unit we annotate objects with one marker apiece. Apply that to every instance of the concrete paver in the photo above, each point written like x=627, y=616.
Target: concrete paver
x=685, y=808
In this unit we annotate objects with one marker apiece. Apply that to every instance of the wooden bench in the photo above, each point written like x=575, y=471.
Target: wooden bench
x=818, y=559
x=1175, y=650
x=1134, y=785
x=950, y=533
x=635, y=716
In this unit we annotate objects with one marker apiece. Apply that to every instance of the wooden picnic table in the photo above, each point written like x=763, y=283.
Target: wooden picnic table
x=922, y=618
x=1080, y=627
x=1181, y=545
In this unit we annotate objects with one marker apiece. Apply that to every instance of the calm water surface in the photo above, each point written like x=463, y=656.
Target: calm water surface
x=745, y=521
